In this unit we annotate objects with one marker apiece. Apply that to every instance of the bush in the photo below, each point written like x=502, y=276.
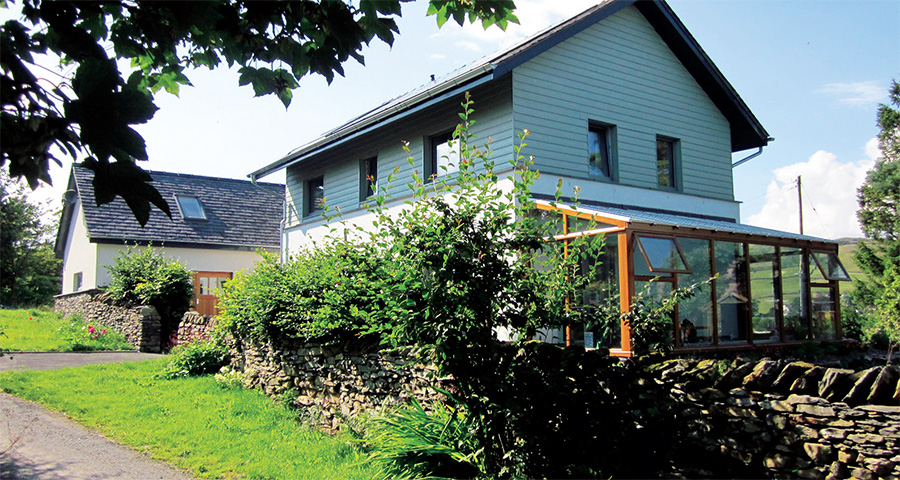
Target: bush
x=195, y=358
x=337, y=289
x=143, y=276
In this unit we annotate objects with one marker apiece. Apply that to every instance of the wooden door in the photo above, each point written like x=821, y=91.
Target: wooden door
x=206, y=285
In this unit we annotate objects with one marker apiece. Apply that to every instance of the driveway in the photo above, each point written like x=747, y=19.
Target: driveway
x=37, y=444
x=52, y=360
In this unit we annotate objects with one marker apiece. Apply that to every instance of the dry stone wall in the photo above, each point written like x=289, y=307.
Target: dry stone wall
x=194, y=327
x=335, y=381
x=139, y=323
x=788, y=419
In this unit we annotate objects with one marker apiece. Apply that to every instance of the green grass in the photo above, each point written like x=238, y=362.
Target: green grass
x=192, y=423
x=42, y=330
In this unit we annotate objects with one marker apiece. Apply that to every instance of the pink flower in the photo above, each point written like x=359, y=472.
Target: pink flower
x=103, y=332
x=91, y=328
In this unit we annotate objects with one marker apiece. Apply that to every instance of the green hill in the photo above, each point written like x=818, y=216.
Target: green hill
x=846, y=250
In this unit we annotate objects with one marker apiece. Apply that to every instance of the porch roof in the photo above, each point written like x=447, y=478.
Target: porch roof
x=636, y=217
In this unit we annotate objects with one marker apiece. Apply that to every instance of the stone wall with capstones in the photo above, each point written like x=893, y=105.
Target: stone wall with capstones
x=786, y=419
x=140, y=324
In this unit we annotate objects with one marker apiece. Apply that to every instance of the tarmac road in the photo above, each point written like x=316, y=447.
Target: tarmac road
x=37, y=444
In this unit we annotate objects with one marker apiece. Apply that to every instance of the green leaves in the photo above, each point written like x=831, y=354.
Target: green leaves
x=276, y=43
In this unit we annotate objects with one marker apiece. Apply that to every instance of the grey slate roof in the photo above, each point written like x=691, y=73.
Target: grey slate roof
x=746, y=130
x=239, y=215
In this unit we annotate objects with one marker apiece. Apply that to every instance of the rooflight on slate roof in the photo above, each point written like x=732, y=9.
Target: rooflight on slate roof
x=191, y=208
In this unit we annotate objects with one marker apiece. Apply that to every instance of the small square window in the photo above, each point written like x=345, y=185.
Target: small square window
x=315, y=196
x=444, y=157
x=368, y=178
x=601, y=151
x=666, y=158
x=191, y=208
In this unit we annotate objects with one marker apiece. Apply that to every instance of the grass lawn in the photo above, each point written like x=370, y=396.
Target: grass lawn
x=192, y=423
x=42, y=330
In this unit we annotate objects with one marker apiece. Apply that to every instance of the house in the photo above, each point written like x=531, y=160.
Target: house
x=218, y=225
x=623, y=103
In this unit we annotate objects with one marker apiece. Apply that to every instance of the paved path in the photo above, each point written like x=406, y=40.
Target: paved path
x=37, y=444
x=51, y=361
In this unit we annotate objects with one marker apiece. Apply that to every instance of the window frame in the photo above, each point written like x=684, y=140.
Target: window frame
x=642, y=249
x=367, y=188
x=674, y=170
x=77, y=281
x=182, y=200
x=309, y=200
x=432, y=169
x=608, y=132
x=825, y=273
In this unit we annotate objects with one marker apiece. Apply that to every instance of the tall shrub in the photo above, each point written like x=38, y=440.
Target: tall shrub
x=144, y=276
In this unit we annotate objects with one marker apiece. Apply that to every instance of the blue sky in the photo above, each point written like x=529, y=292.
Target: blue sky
x=813, y=72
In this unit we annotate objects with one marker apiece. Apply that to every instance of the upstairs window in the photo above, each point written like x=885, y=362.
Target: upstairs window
x=77, y=281
x=601, y=151
x=368, y=178
x=444, y=157
x=191, y=208
x=315, y=196
x=666, y=162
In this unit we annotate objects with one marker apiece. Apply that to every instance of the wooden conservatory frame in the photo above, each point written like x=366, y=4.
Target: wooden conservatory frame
x=629, y=226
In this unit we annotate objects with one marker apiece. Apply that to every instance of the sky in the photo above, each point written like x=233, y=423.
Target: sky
x=813, y=73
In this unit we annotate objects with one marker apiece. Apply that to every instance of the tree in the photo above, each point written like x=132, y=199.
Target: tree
x=29, y=270
x=879, y=211
x=92, y=113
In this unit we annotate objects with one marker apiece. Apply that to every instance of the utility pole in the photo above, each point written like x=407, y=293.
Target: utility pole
x=800, y=201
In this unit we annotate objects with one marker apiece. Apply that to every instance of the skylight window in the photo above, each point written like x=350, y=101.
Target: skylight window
x=191, y=208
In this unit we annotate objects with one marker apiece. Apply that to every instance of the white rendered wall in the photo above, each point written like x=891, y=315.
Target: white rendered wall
x=197, y=260
x=79, y=255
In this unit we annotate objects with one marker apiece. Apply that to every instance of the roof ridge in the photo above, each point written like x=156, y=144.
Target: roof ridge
x=194, y=175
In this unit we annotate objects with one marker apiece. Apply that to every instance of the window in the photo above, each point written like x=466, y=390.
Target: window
x=666, y=162
x=444, y=156
x=663, y=254
x=315, y=196
x=368, y=178
x=830, y=266
x=191, y=208
x=601, y=151
x=77, y=281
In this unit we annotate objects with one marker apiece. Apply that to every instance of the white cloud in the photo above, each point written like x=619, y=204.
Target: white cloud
x=856, y=94
x=829, y=196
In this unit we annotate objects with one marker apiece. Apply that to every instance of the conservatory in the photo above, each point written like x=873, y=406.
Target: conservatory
x=756, y=287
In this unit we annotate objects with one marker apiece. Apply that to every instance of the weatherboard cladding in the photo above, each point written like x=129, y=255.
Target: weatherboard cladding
x=339, y=165
x=746, y=131
x=620, y=72
x=239, y=215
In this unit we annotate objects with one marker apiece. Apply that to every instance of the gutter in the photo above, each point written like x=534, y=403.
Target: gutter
x=751, y=156
x=367, y=124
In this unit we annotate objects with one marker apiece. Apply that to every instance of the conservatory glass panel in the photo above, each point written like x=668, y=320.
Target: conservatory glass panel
x=793, y=286
x=763, y=287
x=695, y=313
x=656, y=292
x=824, y=318
x=731, y=293
x=601, y=298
